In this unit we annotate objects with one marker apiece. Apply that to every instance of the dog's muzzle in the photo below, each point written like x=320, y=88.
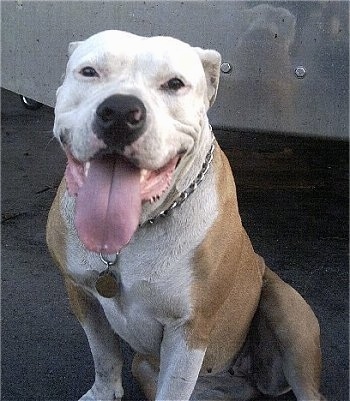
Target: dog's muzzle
x=120, y=120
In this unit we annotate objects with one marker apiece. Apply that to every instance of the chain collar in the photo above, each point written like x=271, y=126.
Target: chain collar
x=191, y=188
x=177, y=202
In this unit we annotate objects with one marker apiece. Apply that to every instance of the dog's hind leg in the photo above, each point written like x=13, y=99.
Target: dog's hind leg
x=104, y=345
x=286, y=342
x=145, y=369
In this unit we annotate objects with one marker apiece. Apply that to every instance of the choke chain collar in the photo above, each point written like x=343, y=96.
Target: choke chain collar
x=107, y=282
x=190, y=189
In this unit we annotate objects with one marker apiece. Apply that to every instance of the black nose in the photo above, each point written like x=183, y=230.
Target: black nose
x=120, y=120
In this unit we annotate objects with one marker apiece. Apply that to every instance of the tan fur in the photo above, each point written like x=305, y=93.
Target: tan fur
x=56, y=231
x=56, y=236
x=286, y=320
x=228, y=279
x=145, y=369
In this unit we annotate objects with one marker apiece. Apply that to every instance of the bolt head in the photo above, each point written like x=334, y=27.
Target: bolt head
x=300, y=72
x=226, y=68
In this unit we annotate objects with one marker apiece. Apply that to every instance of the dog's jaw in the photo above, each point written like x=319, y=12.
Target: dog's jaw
x=153, y=183
x=109, y=195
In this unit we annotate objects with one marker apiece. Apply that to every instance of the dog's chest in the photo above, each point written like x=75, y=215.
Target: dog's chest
x=145, y=304
x=155, y=275
x=155, y=271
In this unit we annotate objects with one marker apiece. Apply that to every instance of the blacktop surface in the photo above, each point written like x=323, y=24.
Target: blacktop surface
x=293, y=197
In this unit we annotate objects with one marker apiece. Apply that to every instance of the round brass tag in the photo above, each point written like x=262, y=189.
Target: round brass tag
x=107, y=285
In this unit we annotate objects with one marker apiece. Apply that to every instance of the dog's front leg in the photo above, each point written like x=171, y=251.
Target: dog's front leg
x=104, y=345
x=179, y=365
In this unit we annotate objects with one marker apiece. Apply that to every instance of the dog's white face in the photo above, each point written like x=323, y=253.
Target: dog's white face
x=131, y=111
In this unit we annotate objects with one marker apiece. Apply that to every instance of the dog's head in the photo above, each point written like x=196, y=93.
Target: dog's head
x=130, y=112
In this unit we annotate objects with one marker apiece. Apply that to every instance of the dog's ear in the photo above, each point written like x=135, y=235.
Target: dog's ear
x=211, y=61
x=72, y=46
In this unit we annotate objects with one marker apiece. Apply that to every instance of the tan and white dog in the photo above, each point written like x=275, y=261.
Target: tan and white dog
x=146, y=231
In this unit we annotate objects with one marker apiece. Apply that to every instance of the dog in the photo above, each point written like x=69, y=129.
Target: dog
x=146, y=231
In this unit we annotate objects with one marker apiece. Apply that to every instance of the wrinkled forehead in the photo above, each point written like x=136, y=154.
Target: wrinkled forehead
x=104, y=43
x=169, y=54
x=115, y=48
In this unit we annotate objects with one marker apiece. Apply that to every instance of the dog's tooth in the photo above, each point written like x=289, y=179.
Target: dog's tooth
x=143, y=175
x=86, y=168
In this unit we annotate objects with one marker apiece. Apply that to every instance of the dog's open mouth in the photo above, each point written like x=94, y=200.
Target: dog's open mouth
x=110, y=192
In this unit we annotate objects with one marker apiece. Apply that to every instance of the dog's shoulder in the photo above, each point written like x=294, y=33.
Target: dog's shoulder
x=56, y=232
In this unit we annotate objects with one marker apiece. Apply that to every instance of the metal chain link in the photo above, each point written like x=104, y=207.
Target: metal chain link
x=193, y=186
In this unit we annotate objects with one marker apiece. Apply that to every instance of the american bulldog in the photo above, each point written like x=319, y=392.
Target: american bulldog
x=146, y=231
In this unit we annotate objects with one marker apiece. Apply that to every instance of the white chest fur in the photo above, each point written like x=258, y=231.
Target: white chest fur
x=155, y=269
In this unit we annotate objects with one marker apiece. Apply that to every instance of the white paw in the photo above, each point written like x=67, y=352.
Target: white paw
x=89, y=396
x=100, y=395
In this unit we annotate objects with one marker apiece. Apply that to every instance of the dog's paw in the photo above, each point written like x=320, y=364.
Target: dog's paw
x=102, y=395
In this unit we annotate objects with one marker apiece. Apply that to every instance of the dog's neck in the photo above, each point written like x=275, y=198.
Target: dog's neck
x=188, y=174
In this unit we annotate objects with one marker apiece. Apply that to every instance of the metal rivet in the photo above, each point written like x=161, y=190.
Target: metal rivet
x=300, y=72
x=226, y=68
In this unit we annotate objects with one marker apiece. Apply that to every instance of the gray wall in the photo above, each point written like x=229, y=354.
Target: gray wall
x=264, y=42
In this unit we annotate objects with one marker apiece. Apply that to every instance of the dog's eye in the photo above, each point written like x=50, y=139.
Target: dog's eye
x=89, y=72
x=174, y=84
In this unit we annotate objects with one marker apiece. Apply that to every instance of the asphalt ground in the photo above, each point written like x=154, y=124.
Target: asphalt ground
x=293, y=197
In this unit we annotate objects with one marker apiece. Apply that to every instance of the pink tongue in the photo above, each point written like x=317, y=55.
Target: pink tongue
x=108, y=205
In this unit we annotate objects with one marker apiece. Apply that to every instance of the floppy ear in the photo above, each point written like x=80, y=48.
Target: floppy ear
x=72, y=46
x=211, y=61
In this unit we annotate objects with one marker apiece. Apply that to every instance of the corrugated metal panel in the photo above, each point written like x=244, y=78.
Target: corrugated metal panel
x=262, y=42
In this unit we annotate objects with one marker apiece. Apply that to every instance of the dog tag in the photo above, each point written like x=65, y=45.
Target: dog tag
x=107, y=284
